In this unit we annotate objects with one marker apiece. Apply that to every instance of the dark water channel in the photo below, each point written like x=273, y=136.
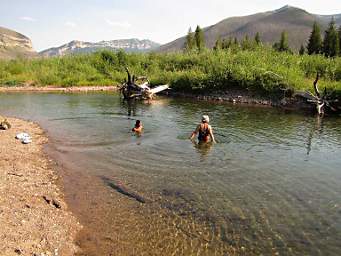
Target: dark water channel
x=271, y=185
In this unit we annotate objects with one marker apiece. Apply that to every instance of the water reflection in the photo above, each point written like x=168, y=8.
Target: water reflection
x=130, y=105
x=203, y=148
x=317, y=128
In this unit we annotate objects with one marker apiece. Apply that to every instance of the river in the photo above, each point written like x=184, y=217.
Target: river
x=271, y=185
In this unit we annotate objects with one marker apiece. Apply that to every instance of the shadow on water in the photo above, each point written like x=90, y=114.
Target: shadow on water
x=122, y=189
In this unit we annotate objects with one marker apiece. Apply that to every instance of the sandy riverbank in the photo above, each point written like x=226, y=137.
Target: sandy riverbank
x=34, y=218
x=57, y=89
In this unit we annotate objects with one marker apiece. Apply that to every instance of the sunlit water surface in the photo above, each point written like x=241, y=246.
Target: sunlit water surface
x=271, y=185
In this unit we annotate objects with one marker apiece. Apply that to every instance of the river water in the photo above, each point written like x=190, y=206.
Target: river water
x=271, y=185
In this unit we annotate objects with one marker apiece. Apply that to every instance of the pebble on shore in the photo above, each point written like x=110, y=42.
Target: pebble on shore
x=34, y=218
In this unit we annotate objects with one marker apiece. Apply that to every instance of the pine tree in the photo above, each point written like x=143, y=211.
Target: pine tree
x=302, y=50
x=190, y=43
x=227, y=43
x=246, y=43
x=315, y=40
x=235, y=42
x=337, y=46
x=331, y=46
x=224, y=44
x=257, y=39
x=276, y=46
x=218, y=44
x=339, y=40
x=199, y=38
x=283, y=43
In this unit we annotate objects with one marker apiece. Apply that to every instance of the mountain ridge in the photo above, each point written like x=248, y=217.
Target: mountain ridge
x=76, y=46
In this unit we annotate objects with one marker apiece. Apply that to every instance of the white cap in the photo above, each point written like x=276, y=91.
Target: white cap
x=205, y=118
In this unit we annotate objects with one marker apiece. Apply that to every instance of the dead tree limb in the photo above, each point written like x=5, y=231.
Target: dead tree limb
x=315, y=85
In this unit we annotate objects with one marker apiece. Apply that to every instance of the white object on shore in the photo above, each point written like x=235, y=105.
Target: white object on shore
x=25, y=138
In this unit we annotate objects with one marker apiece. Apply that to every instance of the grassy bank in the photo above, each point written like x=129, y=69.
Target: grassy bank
x=263, y=70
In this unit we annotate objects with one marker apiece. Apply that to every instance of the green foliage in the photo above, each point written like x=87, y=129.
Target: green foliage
x=260, y=69
x=315, y=40
x=331, y=44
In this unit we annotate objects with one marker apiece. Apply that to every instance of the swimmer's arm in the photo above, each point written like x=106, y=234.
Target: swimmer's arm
x=195, y=132
x=211, y=134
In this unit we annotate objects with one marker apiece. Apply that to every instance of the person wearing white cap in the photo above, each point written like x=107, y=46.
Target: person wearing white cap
x=204, y=130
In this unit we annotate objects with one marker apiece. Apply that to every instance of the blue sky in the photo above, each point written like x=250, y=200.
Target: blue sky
x=52, y=23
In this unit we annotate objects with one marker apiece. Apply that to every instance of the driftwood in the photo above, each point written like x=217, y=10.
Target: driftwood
x=134, y=89
x=324, y=101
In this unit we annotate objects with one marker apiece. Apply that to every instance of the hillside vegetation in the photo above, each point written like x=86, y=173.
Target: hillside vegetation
x=261, y=69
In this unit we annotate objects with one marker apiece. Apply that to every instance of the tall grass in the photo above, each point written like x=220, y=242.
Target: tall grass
x=261, y=69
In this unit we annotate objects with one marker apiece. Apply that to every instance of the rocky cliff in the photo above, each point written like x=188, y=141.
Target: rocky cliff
x=14, y=44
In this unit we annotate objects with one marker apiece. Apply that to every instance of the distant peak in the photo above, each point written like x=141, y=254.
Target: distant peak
x=284, y=8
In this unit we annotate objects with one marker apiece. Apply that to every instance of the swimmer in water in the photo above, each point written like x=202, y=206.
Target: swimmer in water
x=138, y=127
x=204, y=131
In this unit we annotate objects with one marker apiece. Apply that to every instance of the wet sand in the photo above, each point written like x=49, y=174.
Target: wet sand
x=34, y=217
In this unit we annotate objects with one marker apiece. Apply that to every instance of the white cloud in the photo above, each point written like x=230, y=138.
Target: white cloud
x=118, y=24
x=26, y=18
x=70, y=24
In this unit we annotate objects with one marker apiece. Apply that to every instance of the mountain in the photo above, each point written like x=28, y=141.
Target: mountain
x=129, y=45
x=14, y=44
x=295, y=21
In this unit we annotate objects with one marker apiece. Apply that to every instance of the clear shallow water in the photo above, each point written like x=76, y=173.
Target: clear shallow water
x=271, y=185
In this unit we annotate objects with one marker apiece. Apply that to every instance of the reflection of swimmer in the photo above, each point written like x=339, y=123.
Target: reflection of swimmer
x=138, y=127
x=202, y=147
x=204, y=130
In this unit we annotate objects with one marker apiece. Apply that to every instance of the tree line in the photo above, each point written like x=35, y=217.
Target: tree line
x=330, y=45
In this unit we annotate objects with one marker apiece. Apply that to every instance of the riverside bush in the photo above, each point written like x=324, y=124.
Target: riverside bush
x=260, y=69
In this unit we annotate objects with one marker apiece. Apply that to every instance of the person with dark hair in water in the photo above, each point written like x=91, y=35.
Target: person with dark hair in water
x=204, y=131
x=138, y=127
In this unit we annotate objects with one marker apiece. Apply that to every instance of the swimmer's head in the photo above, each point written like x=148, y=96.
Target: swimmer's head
x=205, y=119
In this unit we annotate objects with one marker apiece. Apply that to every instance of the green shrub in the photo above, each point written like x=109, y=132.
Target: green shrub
x=259, y=69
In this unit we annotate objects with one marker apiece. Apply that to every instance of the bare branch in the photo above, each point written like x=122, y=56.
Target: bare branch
x=315, y=85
